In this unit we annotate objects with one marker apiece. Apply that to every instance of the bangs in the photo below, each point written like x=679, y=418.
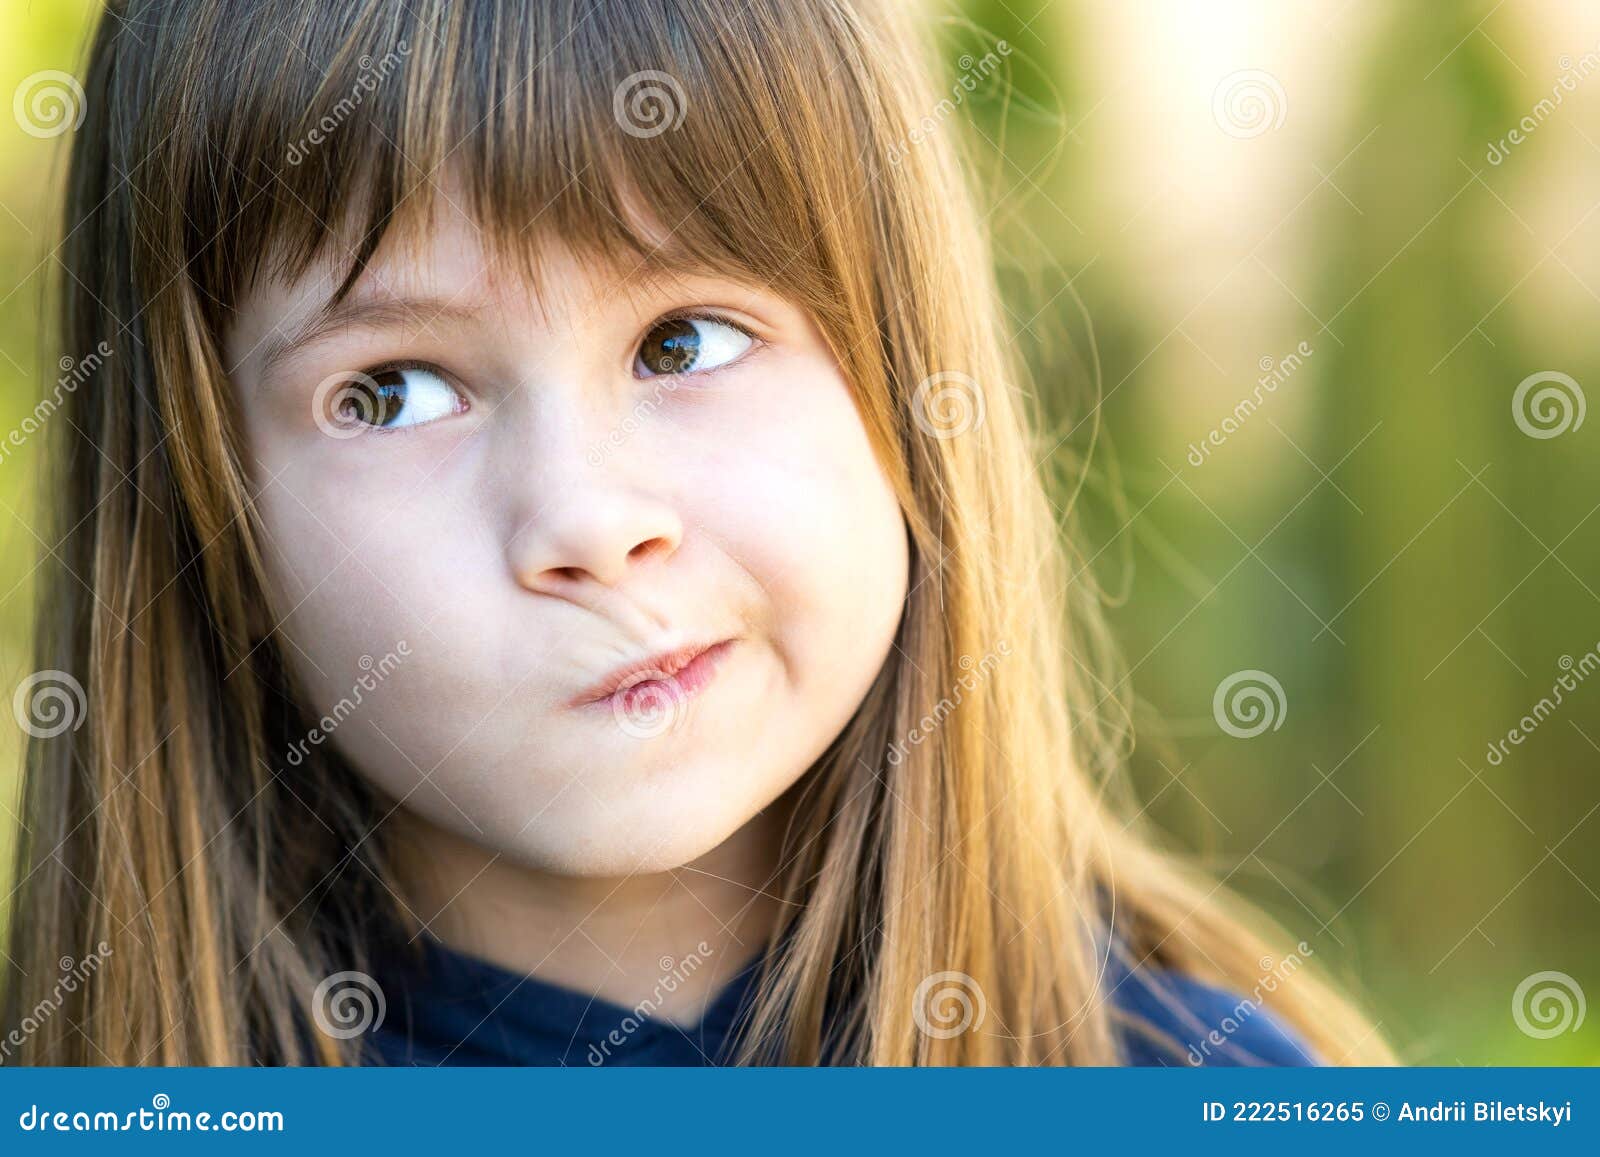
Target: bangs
x=669, y=136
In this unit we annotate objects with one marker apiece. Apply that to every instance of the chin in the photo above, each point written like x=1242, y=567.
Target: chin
x=614, y=853
x=624, y=841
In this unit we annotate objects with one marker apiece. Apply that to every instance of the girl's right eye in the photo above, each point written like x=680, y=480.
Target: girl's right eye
x=394, y=398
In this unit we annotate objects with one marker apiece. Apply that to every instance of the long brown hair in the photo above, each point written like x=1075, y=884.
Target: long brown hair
x=970, y=821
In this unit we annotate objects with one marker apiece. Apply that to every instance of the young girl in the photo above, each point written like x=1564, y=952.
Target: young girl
x=558, y=572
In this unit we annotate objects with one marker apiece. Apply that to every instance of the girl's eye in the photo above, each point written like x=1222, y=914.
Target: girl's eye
x=681, y=345
x=394, y=398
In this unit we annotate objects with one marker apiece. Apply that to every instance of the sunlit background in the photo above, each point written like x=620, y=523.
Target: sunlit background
x=1388, y=213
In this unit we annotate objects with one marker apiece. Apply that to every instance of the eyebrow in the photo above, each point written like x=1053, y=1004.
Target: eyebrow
x=372, y=313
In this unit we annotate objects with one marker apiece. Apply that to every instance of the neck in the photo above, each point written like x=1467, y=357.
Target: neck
x=613, y=938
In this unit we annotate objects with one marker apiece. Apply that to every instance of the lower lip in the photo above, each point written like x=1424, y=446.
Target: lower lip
x=681, y=685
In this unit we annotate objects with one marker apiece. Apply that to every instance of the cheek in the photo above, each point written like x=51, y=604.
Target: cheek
x=802, y=504
x=360, y=563
x=386, y=595
x=354, y=547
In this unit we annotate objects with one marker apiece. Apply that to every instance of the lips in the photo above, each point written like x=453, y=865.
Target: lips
x=679, y=672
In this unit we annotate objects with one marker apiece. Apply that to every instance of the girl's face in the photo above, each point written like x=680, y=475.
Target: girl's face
x=483, y=508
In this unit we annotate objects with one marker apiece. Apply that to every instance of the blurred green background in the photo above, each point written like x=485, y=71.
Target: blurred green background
x=1182, y=195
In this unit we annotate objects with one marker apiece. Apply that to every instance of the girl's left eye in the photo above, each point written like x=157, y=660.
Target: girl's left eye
x=394, y=398
x=682, y=345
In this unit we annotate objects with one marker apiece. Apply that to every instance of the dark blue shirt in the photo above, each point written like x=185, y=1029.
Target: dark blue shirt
x=448, y=1008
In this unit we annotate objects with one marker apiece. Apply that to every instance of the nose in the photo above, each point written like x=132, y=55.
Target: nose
x=592, y=530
